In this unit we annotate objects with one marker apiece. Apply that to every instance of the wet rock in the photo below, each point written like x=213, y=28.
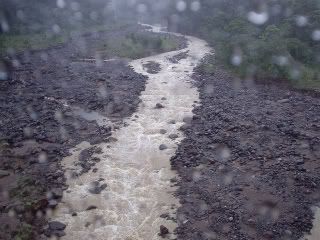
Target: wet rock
x=187, y=120
x=4, y=173
x=52, y=204
x=163, y=231
x=163, y=131
x=91, y=207
x=173, y=136
x=163, y=147
x=55, y=225
x=57, y=193
x=283, y=100
x=97, y=188
x=159, y=106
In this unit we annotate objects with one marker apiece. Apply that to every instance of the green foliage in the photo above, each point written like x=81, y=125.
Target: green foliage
x=138, y=45
x=25, y=232
x=31, y=41
x=272, y=50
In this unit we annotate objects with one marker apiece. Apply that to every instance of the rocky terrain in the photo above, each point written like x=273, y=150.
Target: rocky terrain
x=249, y=165
x=44, y=108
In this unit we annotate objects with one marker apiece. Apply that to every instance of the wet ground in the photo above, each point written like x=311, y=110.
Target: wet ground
x=138, y=197
x=53, y=101
x=87, y=144
x=249, y=163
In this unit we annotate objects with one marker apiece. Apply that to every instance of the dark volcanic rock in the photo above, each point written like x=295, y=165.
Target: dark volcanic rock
x=159, y=106
x=39, y=121
x=250, y=152
x=152, y=67
x=96, y=188
x=163, y=231
x=55, y=225
x=173, y=136
x=163, y=147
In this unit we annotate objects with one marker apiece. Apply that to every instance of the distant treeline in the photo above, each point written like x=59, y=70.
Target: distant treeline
x=34, y=16
x=258, y=39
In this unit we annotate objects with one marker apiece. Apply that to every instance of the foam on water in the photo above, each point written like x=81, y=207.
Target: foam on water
x=137, y=173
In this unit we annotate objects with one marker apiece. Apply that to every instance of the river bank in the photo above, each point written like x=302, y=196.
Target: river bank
x=53, y=100
x=249, y=163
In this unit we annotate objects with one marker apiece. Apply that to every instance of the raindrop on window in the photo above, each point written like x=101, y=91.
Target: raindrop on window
x=316, y=35
x=181, y=6
x=61, y=3
x=301, y=21
x=258, y=18
x=195, y=6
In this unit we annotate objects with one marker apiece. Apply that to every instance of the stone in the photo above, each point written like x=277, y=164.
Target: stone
x=163, y=147
x=57, y=193
x=173, y=136
x=163, y=131
x=52, y=203
x=163, y=231
x=4, y=173
x=283, y=100
x=92, y=207
x=56, y=226
x=159, y=106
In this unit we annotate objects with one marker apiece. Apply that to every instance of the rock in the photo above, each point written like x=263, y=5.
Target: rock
x=57, y=193
x=74, y=214
x=97, y=188
x=163, y=98
x=283, y=100
x=56, y=226
x=4, y=173
x=173, y=136
x=159, y=106
x=163, y=231
x=163, y=131
x=91, y=207
x=172, y=122
x=52, y=203
x=163, y=147
x=40, y=205
x=187, y=120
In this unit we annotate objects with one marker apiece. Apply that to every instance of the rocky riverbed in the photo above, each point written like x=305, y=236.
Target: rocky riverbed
x=249, y=164
x=55, y=99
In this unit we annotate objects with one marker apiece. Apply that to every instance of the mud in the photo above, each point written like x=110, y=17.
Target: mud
x=248, y=166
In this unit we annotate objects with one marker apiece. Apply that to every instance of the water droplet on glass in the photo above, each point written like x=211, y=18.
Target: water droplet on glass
x=56, y=29
x=236, y=59
x=61, y=3
x=181, y=6
x=195, y=6
x=141, y=8
x=5, y=26
x=42, y=157
x=301, y=21
x=316, y=35
x=258, y=18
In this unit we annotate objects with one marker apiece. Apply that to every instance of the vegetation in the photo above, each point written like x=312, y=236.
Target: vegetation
x=138, y=45
x=38, y=25
x=261, y=39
